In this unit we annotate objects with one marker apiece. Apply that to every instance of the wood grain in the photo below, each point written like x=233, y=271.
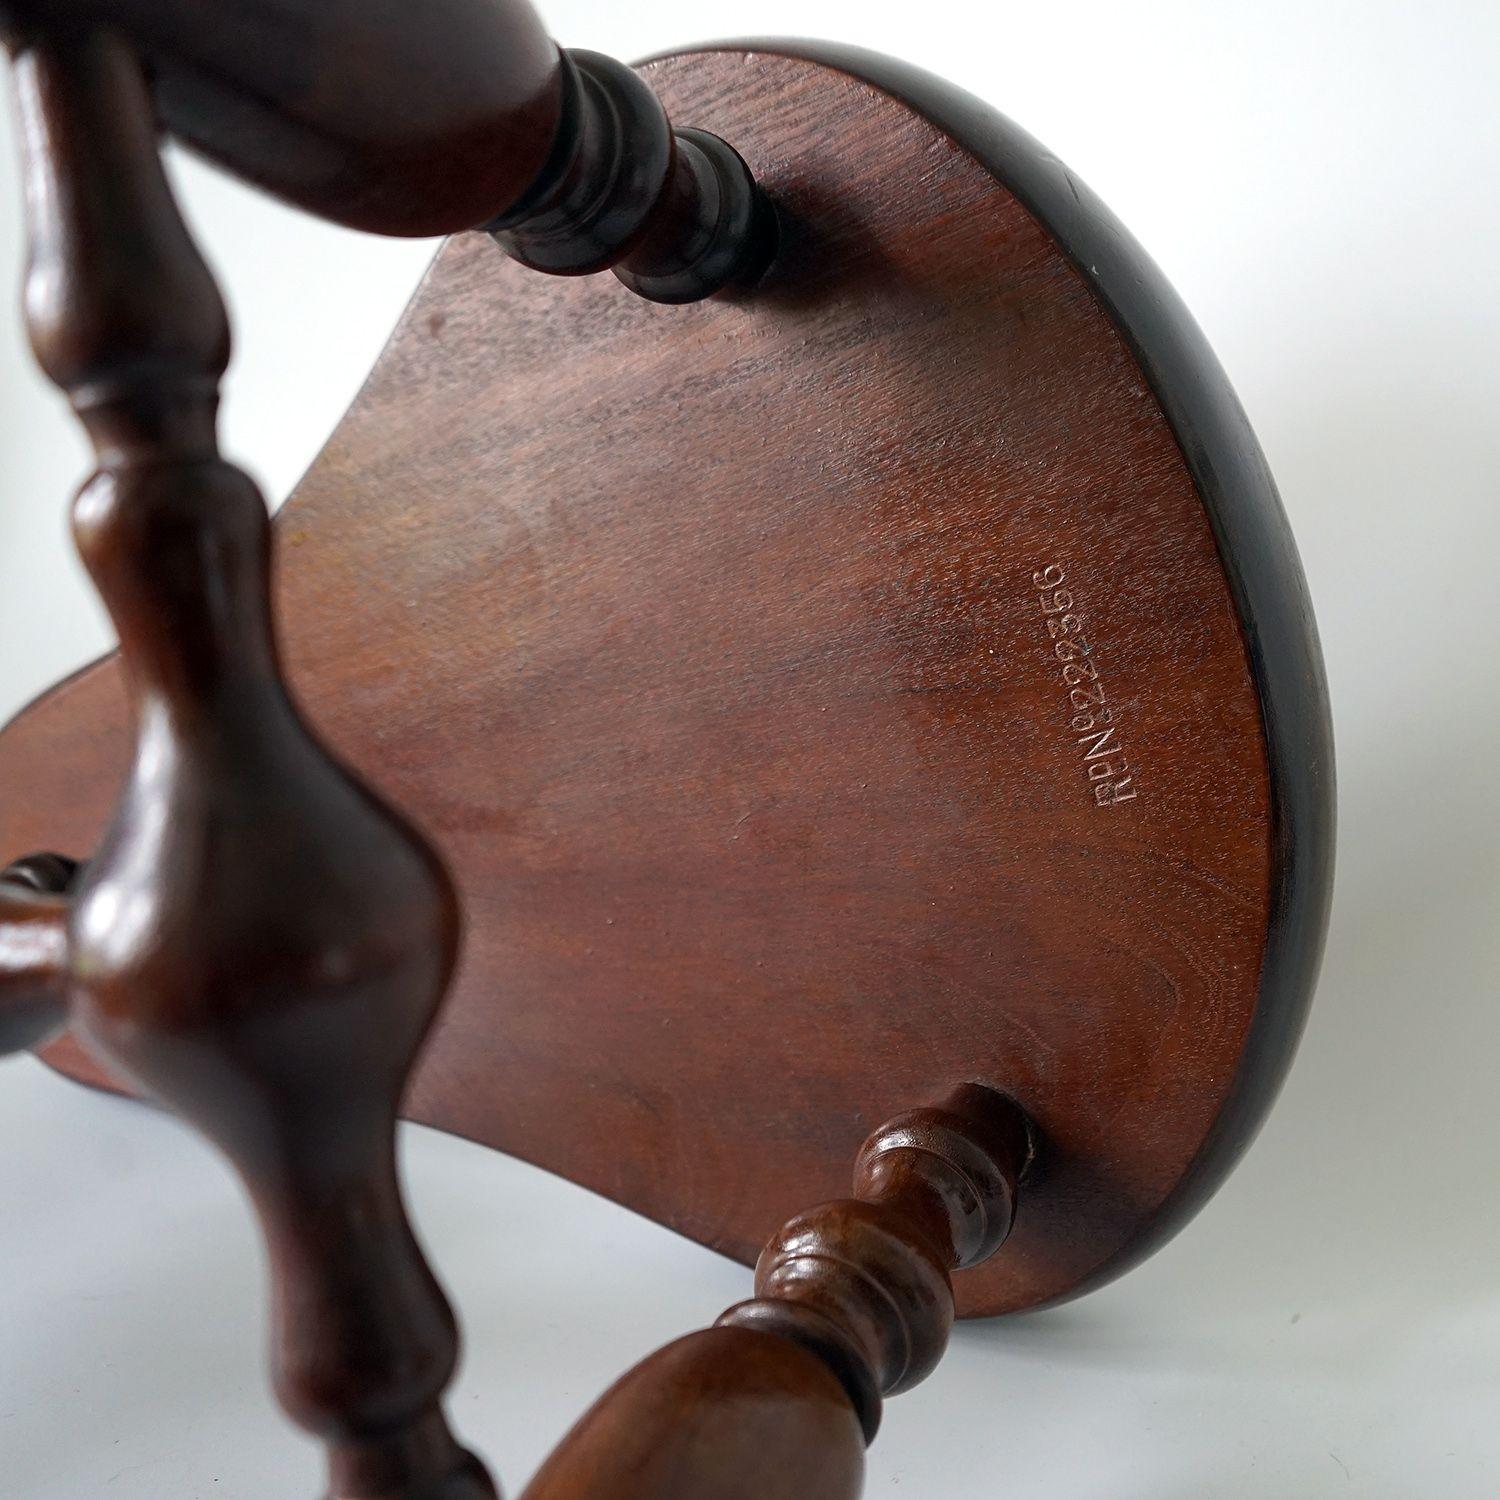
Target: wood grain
x=706, y=645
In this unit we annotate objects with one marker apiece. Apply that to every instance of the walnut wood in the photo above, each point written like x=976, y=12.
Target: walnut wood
x=677, y=214
x=723, y=1414
x=451, y=115
x=260, y=944
x=862, y=1285
x=705, y=644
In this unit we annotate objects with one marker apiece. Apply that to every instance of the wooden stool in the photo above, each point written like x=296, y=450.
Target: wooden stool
x=852, y=681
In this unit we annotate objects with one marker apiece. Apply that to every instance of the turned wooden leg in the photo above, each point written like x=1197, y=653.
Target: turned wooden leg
x=260, y=944
x=853, y=1303
x=450, y=115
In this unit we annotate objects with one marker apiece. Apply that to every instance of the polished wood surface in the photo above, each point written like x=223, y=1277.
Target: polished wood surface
x=676, y=214
x=34, y=974
x=723, y=1414
x=258, y=944
x=382, y=115
x=725, y=654
x=451, y=115
x=862, y=1284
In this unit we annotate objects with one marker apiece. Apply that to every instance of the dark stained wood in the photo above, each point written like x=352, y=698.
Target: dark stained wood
x=451, y=115
x=382, y=115
x=723, y=652
x=1262, y=570
x=862, y=1284
x=723, y=1414
x=260, y=944
x=33, y=950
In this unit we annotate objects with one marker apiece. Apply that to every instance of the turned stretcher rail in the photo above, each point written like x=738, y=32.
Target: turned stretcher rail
x=429, y=119
x=33, y=950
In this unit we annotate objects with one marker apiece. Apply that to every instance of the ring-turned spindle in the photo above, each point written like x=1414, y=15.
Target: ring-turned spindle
x=676, y=214
x=448, y=116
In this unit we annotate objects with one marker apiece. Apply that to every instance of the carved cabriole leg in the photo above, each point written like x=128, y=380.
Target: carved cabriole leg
x=259, y=944
x=853, y=1302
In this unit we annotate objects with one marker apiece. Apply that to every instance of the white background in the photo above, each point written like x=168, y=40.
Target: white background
x=1322, y=183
